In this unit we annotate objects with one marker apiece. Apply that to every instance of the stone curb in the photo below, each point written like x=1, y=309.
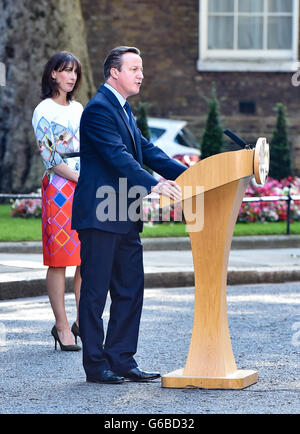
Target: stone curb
x=238, y=243
x=176, y=243
x=37, y=286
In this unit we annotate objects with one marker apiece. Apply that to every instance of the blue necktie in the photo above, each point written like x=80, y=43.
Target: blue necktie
x=128, y=111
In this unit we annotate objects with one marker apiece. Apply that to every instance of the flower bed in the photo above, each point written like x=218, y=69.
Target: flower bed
x=153, y=214
x=271, y=211
x=260, y=211
x=26, y=208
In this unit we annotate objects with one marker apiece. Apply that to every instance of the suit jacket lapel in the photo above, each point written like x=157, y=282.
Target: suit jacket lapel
x=120, y=109
x=138, y=146
x=125, y=119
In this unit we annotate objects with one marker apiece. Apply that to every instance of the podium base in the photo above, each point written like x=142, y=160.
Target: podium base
x=237, y=380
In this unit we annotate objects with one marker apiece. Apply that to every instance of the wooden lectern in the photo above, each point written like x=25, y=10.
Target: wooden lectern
x=223, y=179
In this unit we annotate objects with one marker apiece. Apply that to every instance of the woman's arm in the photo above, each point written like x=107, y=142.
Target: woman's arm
x=63, y=170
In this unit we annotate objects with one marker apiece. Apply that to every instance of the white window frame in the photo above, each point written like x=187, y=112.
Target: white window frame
x=246, y=60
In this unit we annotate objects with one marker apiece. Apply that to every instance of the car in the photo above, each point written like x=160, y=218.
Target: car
x=175, y=139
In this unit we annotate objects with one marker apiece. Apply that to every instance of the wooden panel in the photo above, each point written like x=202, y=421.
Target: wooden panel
x=238, y=380
x=210, y=352
x=224, y=178
x=213, y=172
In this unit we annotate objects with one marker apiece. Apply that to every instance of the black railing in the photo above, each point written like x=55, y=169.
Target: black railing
x=20, y=196
x=289, y=199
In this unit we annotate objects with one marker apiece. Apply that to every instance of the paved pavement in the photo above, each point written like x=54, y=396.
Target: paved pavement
x=264, y=322
x=168, y=263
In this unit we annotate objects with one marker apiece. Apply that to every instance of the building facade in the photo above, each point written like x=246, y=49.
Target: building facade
x=248, y=50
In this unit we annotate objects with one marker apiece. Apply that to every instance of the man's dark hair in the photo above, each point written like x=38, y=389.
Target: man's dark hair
x=59, y=62
x=114, y=59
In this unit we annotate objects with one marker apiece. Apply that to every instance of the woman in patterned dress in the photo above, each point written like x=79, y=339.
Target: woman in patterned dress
x=56, y=125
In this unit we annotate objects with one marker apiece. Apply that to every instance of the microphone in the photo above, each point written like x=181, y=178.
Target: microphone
x=237, y=139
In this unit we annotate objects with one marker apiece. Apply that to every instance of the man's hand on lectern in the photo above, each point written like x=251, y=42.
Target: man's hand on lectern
x=168, y=188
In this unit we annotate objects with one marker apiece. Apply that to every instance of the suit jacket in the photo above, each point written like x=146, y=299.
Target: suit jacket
x=111, y=149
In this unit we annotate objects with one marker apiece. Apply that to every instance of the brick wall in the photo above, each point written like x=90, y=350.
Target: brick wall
x=166, y=32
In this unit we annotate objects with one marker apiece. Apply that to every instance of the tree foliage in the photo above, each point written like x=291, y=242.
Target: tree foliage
x=280, y=158
x=212, y=138
x=30, y=33
x=142, y=119
x=142, y=123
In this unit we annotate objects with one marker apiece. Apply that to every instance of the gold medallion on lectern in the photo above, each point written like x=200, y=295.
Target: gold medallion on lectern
x=261, y=160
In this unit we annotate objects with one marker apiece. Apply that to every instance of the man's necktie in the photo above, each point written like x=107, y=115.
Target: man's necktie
x=130, y=118
x=128, y=111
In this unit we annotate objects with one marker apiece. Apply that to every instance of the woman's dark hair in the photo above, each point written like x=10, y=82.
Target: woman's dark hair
x=59, y=62
x=114, y=59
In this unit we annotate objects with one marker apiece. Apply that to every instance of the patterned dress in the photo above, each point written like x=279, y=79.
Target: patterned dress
x=56, y=129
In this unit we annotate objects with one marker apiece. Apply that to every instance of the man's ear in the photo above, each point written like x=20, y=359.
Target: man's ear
x=114, y=72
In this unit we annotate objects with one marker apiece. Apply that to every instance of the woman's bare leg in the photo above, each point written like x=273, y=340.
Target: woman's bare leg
x=56, y=291
x=77, y=286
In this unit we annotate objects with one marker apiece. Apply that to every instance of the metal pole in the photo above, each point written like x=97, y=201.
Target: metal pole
x=288, y=211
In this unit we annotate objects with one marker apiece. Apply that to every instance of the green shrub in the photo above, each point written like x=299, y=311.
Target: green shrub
x=280, y=159
x=212, y=138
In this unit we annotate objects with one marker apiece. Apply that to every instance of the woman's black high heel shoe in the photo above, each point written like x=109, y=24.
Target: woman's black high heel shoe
x=75, y=331
x=62, y=346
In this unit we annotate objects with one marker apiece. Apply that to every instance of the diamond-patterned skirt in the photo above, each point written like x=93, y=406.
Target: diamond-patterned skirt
x=61, y=246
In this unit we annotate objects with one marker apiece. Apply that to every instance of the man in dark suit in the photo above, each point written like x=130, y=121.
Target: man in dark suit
x=112, y=151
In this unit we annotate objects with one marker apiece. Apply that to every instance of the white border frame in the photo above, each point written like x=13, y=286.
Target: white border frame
x=246, y=60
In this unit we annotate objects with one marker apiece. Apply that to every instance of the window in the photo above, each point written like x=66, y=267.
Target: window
x=155, y=133
x=248, y=35
x=186, y=138
x=247, y=107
